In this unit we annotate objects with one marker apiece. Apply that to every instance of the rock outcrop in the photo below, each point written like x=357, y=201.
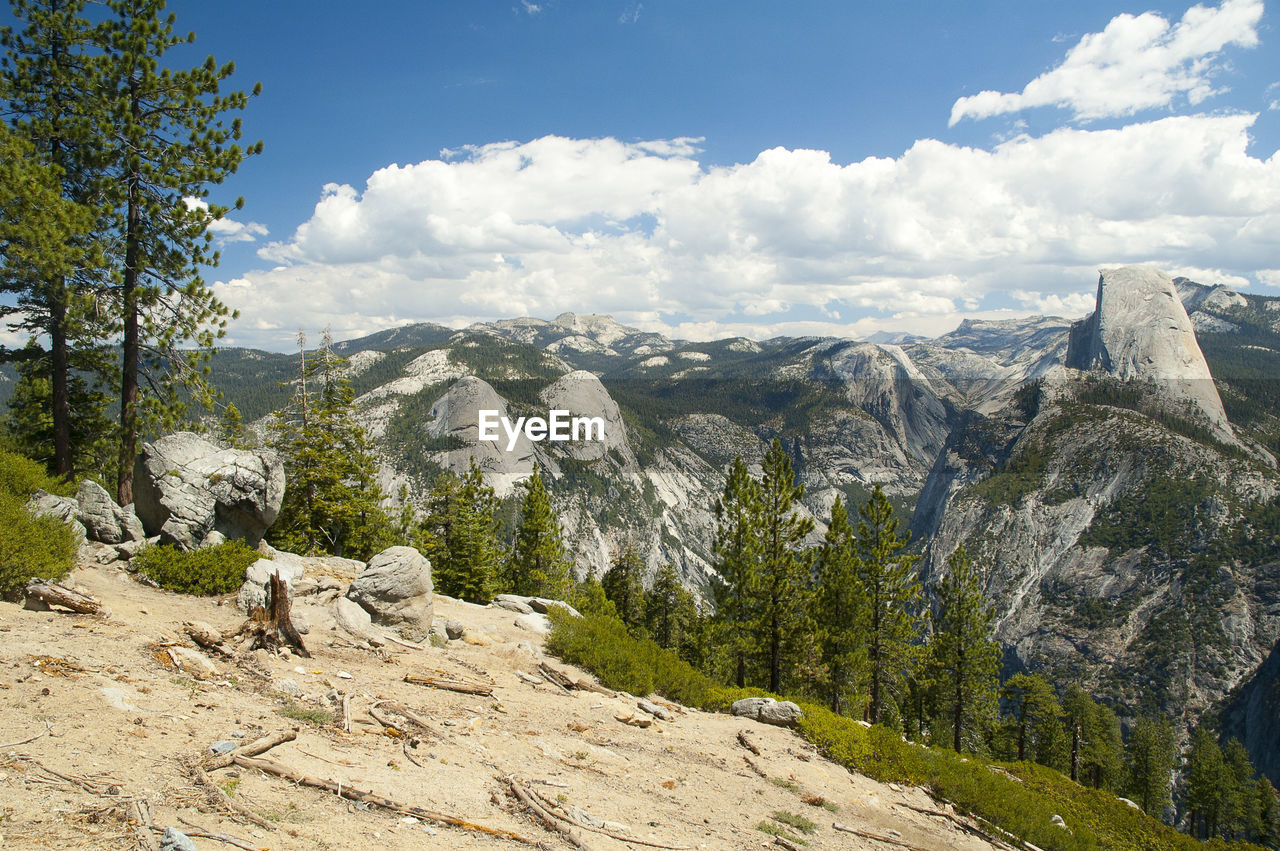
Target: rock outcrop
x=64, y=508
x=1140, y=331
x=766, y=710
x=456, y=414
x=186, y=488
x=582, y=395
x=395, y=589
x=103, y=520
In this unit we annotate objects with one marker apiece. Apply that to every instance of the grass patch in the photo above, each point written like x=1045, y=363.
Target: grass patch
x=793, y=820
x=297, y=712
x=783, y=783
x=772, y=829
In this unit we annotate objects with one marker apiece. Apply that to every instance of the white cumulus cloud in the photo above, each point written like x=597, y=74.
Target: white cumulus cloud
x=645, y=231
x=1136, y=63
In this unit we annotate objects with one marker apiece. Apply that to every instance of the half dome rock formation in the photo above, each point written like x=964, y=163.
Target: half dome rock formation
x=456, y=414
x=1141, y=331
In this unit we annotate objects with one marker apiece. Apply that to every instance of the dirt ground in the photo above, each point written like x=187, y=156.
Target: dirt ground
x=117, y=722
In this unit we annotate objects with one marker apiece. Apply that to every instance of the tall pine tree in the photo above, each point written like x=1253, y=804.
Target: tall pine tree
x=1152, y=755
x=459, y=536
x=887, y=577
x=737, y=554
x=840, y=611
x=538, y=565
x=965, y=662
x=624, y=585
x=169, y=143
x=782, y=586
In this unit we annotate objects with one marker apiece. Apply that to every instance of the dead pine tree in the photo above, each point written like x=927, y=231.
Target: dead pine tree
x=269, y=627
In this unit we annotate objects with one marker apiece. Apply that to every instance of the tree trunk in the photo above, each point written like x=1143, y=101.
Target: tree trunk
x=131, y=344
x=59, y=370
x=1075, y=752
x=958, y=715
x=775, y=655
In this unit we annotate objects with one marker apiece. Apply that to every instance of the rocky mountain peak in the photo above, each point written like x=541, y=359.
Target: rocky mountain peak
x=1140, y=330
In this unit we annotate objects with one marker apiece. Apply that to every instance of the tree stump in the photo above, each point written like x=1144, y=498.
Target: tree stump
x=270, y=627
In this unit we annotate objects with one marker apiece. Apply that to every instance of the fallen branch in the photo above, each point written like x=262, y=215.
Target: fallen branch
x=587, y=685
x=217, y=797
x=449, y=684
x=551, y=821
x=971, y=829
x=254, y=748
x=745, y=741
x=28, y=741
x=866, y=834
x=389, y=637
x=198, y=832
x=140, y=816
x=558, y=812
x=786, y=843
x=346, y=713
x=558, y=677
x=352, y=794
x=405, y=747
x=408, y=714
x=51, y=593
x=757, y=769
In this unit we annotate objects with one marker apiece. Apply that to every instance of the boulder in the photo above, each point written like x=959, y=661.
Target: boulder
x=454, y=629
x=352, y=617
x=186, y=487
x=535, y=623
x=542, y=605
x=513, y=603
x=253, y=593
x=103, y=520
x=780, y=713
x=395, y=589
x=64, y=508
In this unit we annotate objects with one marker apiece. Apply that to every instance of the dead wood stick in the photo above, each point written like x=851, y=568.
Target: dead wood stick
x=559, y=813
x=969, y=828
x=409, y=756
x=558, y=677
x=353, y=794
x=409, y=715
x=786, y=843
x=141, y=818
x=219, y=798
x=557, y=824
x=866, y=834
x=346, y=713
x=461, y=686
x=197, y=832
x=745, y=741
x=61, y=595
x=254, y=748
x=586, y=685
x=28, y=741
x=389, y=637
x=757, y=769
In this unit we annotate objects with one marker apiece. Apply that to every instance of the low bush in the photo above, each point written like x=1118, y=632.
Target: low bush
x=20, y=477
x=206, y=572
x=31, y=547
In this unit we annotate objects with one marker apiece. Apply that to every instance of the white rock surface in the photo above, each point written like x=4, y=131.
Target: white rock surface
x=582, y=394
x=457, y=413
x=104, y=520
x=395, y=589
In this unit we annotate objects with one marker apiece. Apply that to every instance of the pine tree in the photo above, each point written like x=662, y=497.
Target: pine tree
x=624, y=586
x=1152, y=755
x=1097, y=751
x=1205, y=776
x=1240, y=804
x=168, y=145
x=888, y=579
x=50, y=203
x=231, y=427
x=459, y=536
x=332, y=502
x=782, y=586
x=1034, y=708
x=737, y=547
x=538, y=565
x=840, y=611
x=670, y=610
x=589, y=597
x=964, y=660
x=31, y=425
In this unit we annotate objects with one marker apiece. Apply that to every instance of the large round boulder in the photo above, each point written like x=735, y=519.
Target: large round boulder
x=186, y=487
x=395, y=589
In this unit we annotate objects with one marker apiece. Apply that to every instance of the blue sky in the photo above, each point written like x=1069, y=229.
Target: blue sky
x=710, y=169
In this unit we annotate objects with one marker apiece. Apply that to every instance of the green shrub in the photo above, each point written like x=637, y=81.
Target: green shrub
x=214, y=570
x=21, y=477
x=30, y=546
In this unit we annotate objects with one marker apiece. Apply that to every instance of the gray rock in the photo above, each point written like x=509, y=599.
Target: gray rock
x=186, y=487
x=175, y=840
x=289, y=687
x=395, y=589
x=352, y=617
x=64, y=508
x=659, y=712
x=542, y=605
x=128, y=549
x=535, y=623
x=224, y=746
x=253, y=593
x=517, y=606
x=454, y=629
x=103, y=520
x=780, y=713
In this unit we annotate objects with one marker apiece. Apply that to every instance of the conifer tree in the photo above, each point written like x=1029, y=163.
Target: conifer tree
x=782, y=586
x=624, y=585
x=459, y=536
x=1205, y=776
x=840, y=611
x=231, y=427
x=1239, y=803
x=888, y=579
x=670, y=611
x=1034, y=709
x=332, y=501
x=1151, y=757
x=168, y=144
x=538, y=565
x=737, y=548
x=964, y=660
x=589, y=597
x=1097, y=751
x=50, y=205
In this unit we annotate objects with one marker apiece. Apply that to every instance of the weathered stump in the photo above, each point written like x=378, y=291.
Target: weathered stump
x=270, y=627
